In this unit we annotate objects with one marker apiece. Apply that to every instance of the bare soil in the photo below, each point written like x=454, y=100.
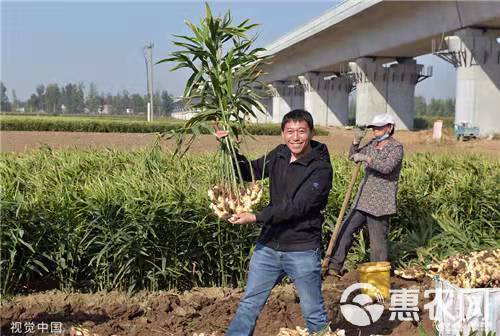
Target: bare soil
x=201, y=310
x=338, y=141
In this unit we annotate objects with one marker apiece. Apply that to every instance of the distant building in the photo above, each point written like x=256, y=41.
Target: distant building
x=182, y=110
x=104, y=109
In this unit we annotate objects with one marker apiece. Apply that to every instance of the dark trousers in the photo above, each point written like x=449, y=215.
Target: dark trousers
x=378, y=228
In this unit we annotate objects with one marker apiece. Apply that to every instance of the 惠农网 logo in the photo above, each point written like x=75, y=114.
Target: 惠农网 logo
x=361, y=310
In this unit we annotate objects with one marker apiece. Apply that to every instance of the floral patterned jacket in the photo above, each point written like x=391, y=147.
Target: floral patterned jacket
x=377, y=192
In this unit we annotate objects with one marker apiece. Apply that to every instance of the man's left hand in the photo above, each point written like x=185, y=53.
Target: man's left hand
x=358, y=157
x=243, y=218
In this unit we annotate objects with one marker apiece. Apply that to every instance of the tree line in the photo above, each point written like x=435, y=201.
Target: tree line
x=75, y=99
x=435, y=107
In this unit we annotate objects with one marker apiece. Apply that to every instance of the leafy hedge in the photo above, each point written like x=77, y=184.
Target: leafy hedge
x=108, y=125
x=426, y=122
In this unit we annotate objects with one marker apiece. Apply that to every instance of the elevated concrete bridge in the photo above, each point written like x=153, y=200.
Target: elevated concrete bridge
x=370, y=45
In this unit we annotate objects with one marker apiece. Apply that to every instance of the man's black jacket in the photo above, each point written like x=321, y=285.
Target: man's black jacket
x=299, y=192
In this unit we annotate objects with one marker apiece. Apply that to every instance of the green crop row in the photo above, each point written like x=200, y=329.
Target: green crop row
x=113, y=125
x=84, y=220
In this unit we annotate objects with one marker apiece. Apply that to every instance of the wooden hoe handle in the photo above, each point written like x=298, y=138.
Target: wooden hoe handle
x=338, y=224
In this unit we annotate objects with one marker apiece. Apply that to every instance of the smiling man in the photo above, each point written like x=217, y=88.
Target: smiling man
x=300, y=179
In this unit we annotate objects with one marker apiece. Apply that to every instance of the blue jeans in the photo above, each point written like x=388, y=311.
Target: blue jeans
x=267, y=268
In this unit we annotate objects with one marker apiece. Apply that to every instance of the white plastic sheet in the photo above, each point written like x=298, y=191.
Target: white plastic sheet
x=462, y=310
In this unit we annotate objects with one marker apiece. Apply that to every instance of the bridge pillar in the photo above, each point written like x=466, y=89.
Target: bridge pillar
x=265, y=117
x=326, y=100
x=279, y=102
x=476, y=55
x=386, y=89
x=286, y=96
x=296, y=96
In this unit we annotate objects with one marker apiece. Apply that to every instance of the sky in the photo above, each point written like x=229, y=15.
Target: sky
x=102, y=42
